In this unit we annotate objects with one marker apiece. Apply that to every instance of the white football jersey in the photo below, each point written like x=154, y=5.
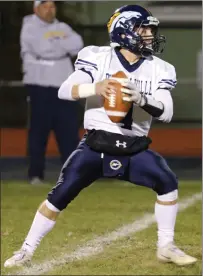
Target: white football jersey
x=148, y=76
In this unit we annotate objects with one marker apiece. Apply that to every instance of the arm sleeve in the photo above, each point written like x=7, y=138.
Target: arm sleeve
x=165, y=83
x=78, y=77
x=27, y=53
x=25, y=42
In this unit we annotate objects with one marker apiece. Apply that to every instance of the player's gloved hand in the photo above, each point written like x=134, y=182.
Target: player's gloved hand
x=105, y=88
x=133, y=95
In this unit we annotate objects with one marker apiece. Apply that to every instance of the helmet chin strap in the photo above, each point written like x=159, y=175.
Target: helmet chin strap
x=146, y=54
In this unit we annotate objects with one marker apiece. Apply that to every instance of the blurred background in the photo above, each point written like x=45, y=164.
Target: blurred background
x=181, y=23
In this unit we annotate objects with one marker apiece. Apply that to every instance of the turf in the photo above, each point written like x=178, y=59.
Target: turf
x=99, y=209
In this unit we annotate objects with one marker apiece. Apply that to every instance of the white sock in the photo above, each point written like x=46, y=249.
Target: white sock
x=40, y=227
x=166, y=218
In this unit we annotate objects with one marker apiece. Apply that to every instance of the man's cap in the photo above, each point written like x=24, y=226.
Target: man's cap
x=38, y=2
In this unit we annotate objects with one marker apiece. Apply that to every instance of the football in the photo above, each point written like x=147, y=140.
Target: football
x=115, y=107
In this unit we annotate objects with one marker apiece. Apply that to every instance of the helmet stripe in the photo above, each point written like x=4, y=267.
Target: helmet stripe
x=111, y=20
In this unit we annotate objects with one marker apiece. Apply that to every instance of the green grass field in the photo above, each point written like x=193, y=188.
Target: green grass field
x=95, y=213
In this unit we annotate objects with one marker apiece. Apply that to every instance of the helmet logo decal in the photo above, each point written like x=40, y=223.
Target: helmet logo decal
x=121, y=17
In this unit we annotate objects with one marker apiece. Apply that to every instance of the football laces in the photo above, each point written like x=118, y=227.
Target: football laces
x=112, y=100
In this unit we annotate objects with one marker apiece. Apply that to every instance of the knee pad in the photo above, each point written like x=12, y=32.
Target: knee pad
x=171, y=196
x=167, y=183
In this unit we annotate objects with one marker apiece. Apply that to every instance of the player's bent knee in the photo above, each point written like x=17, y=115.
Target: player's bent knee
x=167, y=183
x=60, y=202
x=60, y=198
x=63, y=193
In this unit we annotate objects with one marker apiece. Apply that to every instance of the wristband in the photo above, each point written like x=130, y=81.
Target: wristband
x=86, y=90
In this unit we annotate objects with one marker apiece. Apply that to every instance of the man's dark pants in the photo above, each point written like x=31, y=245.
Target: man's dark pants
x=48, y=112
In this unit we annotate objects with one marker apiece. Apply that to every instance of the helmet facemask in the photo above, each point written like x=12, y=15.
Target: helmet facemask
x=156, y=44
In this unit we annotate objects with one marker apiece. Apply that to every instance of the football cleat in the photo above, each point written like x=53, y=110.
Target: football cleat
x=20, y=258
x=172, y=254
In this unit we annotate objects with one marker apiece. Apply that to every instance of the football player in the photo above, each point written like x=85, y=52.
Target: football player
x=134, y=41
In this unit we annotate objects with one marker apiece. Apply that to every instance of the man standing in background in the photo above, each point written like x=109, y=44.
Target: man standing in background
x=47, y=46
